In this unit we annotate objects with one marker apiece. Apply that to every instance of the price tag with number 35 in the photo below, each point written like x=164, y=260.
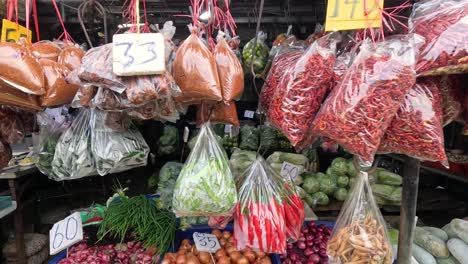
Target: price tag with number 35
x=206, y=242
x=138, y=54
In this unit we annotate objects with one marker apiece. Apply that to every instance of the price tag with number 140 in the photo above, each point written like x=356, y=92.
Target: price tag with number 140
x=206, y=242
x=138, y=54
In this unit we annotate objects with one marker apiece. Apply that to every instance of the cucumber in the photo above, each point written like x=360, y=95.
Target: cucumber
x=431, y=243
x=448, y=229
x=437, y=232
x=422, y=256
x=458, y=249
x=449, y=260
x=460, y=227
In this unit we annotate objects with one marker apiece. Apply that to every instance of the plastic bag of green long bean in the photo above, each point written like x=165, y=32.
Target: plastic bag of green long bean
x=205, y=186
x=116, y=150
x=73, y=158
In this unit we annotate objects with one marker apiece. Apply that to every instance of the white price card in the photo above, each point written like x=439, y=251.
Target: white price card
x=138, y=54
x=65, y=233
x=249, y=114
x=227, y=129
x=206, y=242
x=289, y=171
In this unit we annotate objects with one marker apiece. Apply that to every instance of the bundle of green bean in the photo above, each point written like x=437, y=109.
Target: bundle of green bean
x=139, y=216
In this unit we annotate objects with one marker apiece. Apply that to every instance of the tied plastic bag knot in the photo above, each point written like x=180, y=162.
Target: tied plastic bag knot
x=205, y=186
x=360, y=234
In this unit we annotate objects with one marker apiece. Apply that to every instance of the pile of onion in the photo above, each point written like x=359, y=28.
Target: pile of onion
x=125, y=253
x=310, y=248
x=227, y=254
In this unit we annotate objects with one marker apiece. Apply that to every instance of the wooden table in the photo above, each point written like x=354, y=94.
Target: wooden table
x=13, y=177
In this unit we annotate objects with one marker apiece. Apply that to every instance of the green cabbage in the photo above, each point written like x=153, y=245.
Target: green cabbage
x=341, y=194
x=310, y=185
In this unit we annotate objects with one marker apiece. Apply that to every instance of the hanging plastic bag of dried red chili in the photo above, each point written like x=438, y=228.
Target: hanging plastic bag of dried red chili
x=231, y=75
x=5, y=153
x=341, y=66
x=20, y=70
x=218, y=113
x=416, y=129
x=286, y=56
x=58, y=90
x=194, y=70
x=359, y=110
x=443, y=24
x=11, y=127
x=96, y=69
x=452, y=93
x=301, y=91
x=71, y=57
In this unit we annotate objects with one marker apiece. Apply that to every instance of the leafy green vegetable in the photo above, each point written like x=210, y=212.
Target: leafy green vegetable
x=169, y=140
x=341, y=194
x=340, y=166
x=311, y=185
x=205, y=186
x=351, y=169
x=167, y=179
x=249, y=138
x=241, y=160
x=293, y=158
x=384, y=191
x=301, y=192
x=268, y=138
x=319, y=198
x=327, y=185
x=342, y=181
x=389, y=178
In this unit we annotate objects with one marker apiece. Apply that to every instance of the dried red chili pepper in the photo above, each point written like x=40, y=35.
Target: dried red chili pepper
x=416, y=129
x=361, y=107
x=301, y=91
x=283, y=60
x=452, y=93
x=443, y=24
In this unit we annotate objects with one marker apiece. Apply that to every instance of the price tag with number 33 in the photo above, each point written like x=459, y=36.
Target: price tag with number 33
x=138, y=54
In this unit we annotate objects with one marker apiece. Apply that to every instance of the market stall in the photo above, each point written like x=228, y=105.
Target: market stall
x=179, y=133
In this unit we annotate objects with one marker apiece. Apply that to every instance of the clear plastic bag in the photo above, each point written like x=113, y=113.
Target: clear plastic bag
x=194, y=70
x=360, y=233
x=302, y=89
x=416, y=129
x=71, y=57
x=58, y=90
x=96, y=69
x=11, y=127
x=443, y=24
x=116, y=150
x=106, y=99
x=84, y=96
x=168, y=32
x=341, y=66
x=73, y=158
x=283, y=60
x=5, y=153
x=49, y=134
x=231, y=75
x=259, y=217
x=359, y=110
x=20, y=70
x=143, y=89
x=205, y=186
x=218, y=113
x=46, y=50
x=257, y=56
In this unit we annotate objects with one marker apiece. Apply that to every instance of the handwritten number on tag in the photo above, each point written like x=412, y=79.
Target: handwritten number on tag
x=150, y=49
x=131, y=60
x=127, y=49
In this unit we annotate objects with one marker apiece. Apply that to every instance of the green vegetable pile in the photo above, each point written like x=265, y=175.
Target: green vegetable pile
x=138, y=216
x=205, y=185
x=249, y=138
x=387, y=189
x=169, y=140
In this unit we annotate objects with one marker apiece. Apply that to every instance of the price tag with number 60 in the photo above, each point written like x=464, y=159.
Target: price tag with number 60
x=206, y=242
x=138, y=54
x=65, y=233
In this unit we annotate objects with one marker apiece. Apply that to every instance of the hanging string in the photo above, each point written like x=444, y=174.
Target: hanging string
x=64, y=36
x=132, y=15
x=36, y=22
x=27, y=18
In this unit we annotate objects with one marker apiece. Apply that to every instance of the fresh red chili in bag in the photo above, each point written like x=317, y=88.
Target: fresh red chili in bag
x=444, y=25
x=301, y=91
x=362, y=106
x=416, y=129
x=283, y=60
